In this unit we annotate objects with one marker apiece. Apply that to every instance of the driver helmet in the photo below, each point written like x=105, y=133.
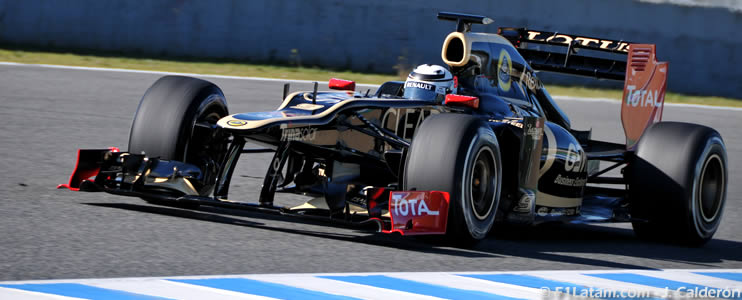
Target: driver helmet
x=429, y=82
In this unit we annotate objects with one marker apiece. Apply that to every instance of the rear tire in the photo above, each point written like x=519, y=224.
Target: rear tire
x=164, y=125
x=458, y=154
x=677, y=183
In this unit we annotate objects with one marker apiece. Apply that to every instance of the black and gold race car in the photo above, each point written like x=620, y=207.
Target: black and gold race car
x=490, y=146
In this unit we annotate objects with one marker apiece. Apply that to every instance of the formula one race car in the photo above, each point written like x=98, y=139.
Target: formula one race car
x=450, y=151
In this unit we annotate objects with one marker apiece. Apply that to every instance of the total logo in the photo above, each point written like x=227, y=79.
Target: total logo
x=642, y=98
x=414, y=207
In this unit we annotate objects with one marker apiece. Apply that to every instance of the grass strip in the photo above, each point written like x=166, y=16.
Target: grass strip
x=240, y=68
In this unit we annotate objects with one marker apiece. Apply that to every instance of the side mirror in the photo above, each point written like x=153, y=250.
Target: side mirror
x=343, y=85
x=461, y=100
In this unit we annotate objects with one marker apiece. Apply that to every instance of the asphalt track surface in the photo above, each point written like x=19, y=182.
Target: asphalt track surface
x=45, y=233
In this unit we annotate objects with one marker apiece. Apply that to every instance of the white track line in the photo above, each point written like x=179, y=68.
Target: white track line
x=7, y=293
x=172, y=290
x=460, y=282
x=160, y=286
x=697, y=279
x=330, y=286
x=4, y=63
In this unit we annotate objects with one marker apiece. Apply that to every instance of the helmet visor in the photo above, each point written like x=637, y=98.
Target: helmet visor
x=414, y=90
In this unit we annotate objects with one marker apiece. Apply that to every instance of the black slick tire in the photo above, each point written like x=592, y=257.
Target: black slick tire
x=169, y=123
x=458, y=154
x=677, y=183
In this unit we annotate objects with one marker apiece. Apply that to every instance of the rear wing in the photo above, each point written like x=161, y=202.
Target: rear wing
x=610, y=65
x=645, y=78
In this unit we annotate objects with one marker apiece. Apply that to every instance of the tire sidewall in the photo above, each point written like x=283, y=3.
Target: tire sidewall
x=714, y=146
x=482, y=142
x=212, y=102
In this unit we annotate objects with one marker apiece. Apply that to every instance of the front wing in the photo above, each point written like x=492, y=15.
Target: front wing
x=172, y=182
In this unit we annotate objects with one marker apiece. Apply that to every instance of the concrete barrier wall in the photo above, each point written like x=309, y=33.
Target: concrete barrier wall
x=703, y=45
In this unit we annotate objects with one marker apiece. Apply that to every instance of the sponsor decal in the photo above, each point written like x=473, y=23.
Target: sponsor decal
x=405, y=120
x=642, y=98
x=544, y=211
x=298, y=134
x=528, y=79
x=525, y=202
x=358, y=200
x=417, y=212
x=413, y=207
x=523, y=205
x=440, y=90
x=552, y=37
x=504, y=69
x=513, y=122
x=534, y=132
x=236, y=123
x=574, y=160
x=307, y=106
x=419, y=85
x=578, y=182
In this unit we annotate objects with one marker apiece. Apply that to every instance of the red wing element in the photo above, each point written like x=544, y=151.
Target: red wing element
x=461, y=100
x=343, y=85
x=643, y=93
x=377, y=199
x=87, y=166
x=418, y=212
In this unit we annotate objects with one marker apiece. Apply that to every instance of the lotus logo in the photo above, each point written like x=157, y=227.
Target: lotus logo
x=504, y=69
x=236, y=123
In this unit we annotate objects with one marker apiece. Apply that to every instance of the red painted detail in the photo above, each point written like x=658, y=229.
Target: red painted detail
x=381, y=224
x=377, y=192
x=455, y=82
x=377, y=199
x=644, y=92
x=343, y=85
x=461, y=100
x=87, y=166
x=418, y=212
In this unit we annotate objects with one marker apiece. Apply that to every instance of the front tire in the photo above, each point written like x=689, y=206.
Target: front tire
x=458, y=154
x=677, y=183
x=172, y=120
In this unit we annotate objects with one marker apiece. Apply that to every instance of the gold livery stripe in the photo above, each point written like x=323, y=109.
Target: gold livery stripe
x=543, y=199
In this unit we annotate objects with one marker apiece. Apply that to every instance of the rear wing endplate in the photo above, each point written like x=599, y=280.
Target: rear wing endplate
x=643, y=92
